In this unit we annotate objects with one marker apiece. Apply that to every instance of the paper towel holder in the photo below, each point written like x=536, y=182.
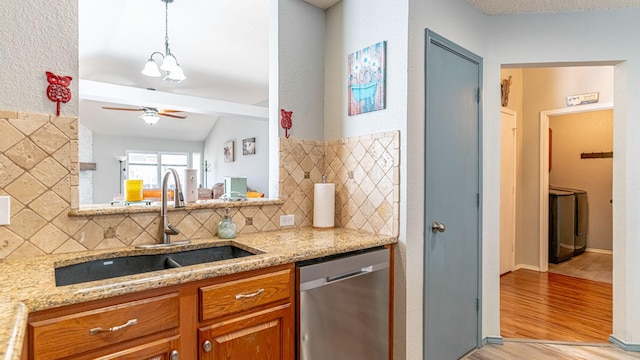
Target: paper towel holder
x=324, y=204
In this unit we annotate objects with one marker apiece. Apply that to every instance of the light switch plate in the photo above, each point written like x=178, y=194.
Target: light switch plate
x=5, y=210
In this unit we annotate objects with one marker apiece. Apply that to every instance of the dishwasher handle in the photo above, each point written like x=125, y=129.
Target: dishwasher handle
x=328, y=280
x=364, y=270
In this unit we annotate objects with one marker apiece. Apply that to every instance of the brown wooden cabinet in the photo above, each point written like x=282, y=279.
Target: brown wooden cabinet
x=245, y=316
x=264, y=334
x=250, y=318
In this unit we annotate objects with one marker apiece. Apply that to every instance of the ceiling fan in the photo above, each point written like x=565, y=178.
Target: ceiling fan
x=150, y=115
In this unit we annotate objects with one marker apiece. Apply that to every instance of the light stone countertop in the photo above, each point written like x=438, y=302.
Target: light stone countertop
x=29, y=284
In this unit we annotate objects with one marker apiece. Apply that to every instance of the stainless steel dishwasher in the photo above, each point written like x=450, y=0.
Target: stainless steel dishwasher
x=344, y=307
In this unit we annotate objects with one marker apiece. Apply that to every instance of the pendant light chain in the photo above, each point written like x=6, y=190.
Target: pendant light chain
x=166, y=27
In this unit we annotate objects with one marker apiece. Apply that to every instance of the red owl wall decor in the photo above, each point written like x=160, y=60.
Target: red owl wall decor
x=58, y=90
x=285, y=121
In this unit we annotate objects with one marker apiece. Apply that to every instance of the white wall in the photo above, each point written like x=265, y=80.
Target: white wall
x=254, y=167
x=107, y=176
x=586, y=132
x=37, y=36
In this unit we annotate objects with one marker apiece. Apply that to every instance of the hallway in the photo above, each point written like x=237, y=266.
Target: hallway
x=548, y=306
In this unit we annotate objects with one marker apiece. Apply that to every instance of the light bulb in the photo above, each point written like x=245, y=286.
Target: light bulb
x=169, y=63
x=151, y=69
x=150, y=119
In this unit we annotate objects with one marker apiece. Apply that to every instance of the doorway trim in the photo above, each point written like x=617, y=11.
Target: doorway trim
x=544, y=172
x=514, y=175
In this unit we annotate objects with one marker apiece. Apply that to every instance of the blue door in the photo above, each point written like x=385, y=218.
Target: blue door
x=452, y=199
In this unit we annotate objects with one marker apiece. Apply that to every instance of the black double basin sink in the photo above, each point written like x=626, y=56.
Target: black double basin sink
x=136, y=264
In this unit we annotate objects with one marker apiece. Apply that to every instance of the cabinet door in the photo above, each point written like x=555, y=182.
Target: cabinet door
x=261, y=335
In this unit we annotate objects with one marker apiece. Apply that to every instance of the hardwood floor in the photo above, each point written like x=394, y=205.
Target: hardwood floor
x=547, y=306
x=542, y=351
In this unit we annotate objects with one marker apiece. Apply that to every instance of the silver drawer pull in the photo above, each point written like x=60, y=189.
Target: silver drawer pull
x=243, y=296
x=115, y=328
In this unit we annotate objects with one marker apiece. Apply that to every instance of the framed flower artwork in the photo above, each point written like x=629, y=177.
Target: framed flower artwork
x=367, y=79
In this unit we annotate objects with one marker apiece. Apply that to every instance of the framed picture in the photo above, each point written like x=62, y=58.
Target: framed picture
x=228, y=151
x=249, y=146
x=367, y=79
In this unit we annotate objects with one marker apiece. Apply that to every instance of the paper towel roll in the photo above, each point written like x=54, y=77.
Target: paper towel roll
x=324, y=205
x=191, y=185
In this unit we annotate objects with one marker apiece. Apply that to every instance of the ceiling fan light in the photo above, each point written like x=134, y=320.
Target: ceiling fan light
x=175, y=76
x=150, y=119
x=170, y=63
x=151, y=69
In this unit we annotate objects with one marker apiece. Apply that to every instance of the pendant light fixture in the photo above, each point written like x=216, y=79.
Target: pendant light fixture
x=169, y=64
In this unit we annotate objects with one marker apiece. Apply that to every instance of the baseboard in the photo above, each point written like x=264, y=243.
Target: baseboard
x=624, y=346
x=526, y=267
x=497, y=340
x=599, y=251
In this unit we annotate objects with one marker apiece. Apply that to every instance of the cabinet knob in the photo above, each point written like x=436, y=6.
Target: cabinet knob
x=206, y=346
x=174, y=355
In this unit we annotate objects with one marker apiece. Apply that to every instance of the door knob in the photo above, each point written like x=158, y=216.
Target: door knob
x=437, y=227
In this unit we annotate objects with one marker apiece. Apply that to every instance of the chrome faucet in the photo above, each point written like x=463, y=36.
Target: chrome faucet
x=178, y=202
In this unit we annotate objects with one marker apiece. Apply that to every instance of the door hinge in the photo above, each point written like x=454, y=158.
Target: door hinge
x=478, y=95
x=477, y=304
x=477, y=199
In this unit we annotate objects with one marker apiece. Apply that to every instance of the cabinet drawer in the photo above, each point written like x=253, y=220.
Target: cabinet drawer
x=240, y=295
x=93, y=329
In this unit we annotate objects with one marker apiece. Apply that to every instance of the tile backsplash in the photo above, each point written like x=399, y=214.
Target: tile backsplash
x=39, y=171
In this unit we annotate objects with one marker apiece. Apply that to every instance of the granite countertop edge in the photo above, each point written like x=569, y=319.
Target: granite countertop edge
x=30, y=283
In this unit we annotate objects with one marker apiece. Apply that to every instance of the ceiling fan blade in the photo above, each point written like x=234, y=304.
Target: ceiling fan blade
x=177, y=116
x=119, y=108
x=169, y=110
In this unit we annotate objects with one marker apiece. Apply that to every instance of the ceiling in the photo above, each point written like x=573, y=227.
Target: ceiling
x=222, y=46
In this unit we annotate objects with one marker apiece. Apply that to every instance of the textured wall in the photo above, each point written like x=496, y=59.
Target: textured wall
x=301, y=38
x=37, y=36
x=39, y=170
x=345, y=23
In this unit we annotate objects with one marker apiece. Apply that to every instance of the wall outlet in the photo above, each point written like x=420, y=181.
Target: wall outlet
x=5, y=210
x=287, y=220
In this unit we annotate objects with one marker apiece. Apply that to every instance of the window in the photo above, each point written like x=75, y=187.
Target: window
x=151, y=167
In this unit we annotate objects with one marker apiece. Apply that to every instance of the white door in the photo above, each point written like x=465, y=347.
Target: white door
x=507, y=189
